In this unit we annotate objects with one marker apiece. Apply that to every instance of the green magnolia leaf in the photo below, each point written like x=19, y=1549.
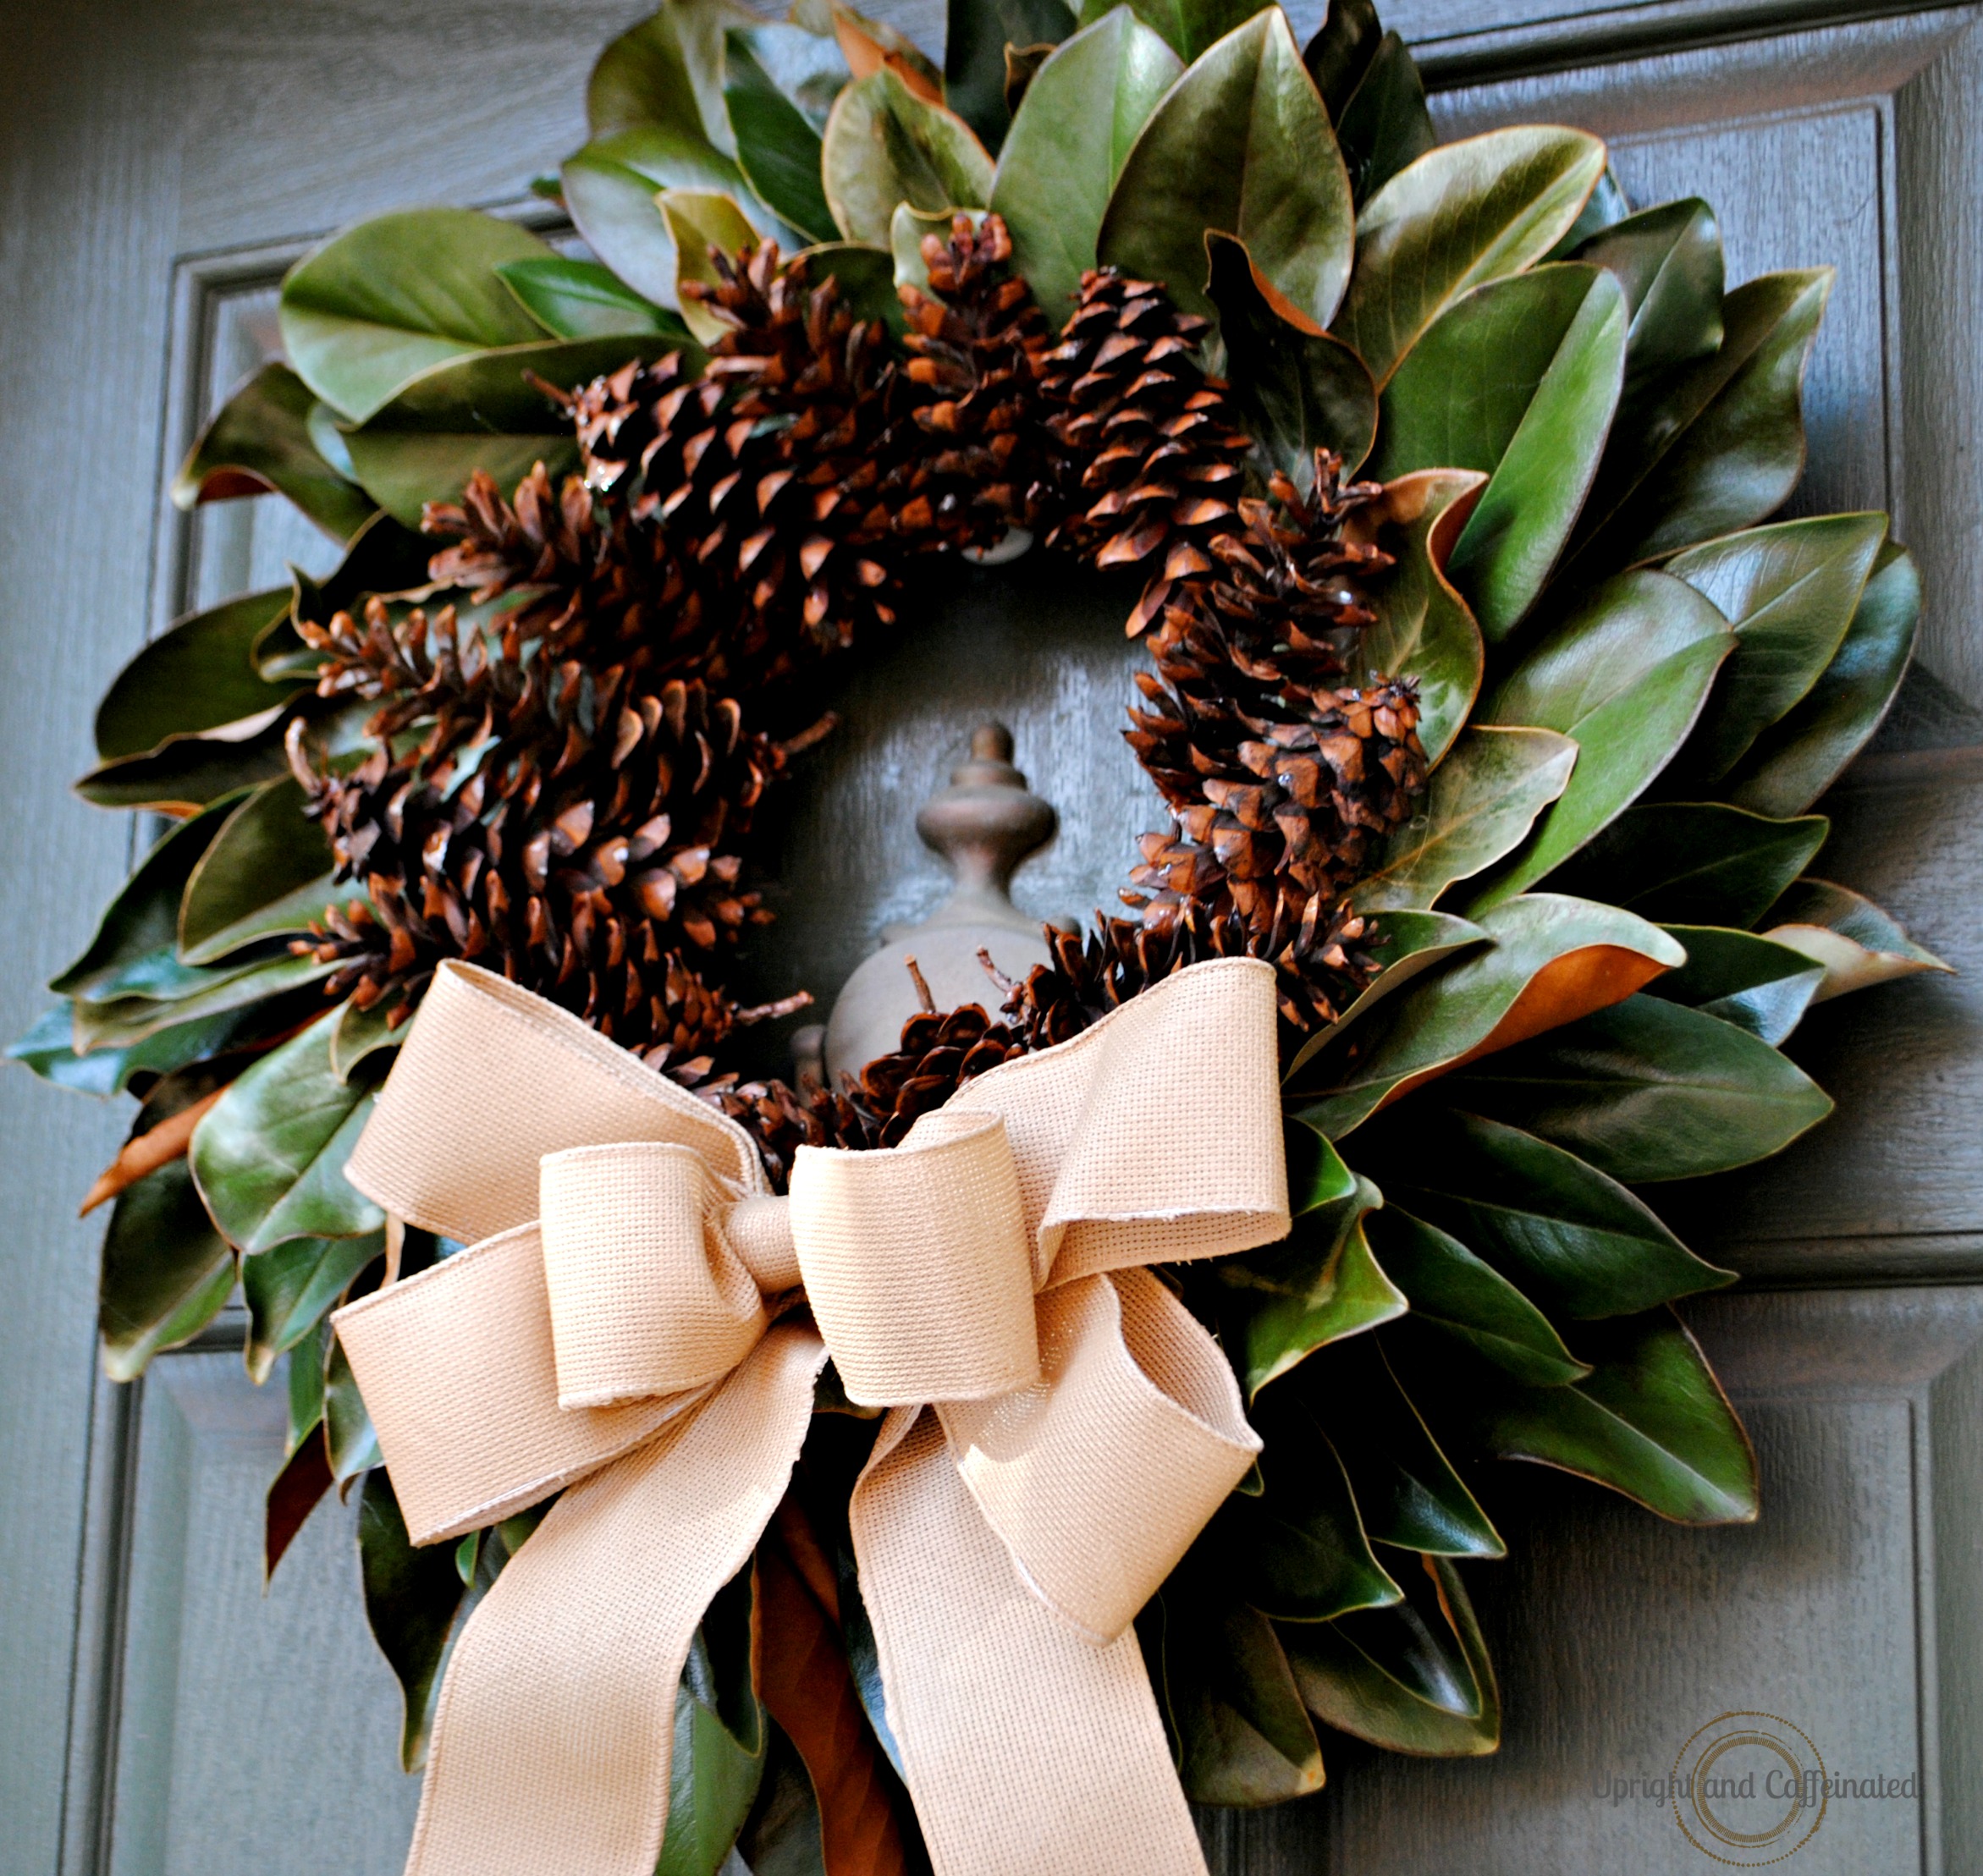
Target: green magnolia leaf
x=290, y=1289
x=384, y=558
x=582, y=300
x=291, y=915
x=1757, y=985
x=264, y=852
x=1404, y=944
x=349, y=1438
x=699, y=222
x=885, y=145
x=197, y=676
x=1461, y=215
x=771, y=74
x=411, y=1599
x=1060, y=160
x=1240, y=144
x=908, y=229
x=1714, y=446
x=1605, y=207
x=124, y=1021
x=258, y=442
x=1648, y=1090
x=1415, y=1678
x=1453, y=1291
x=1422, y=625
x=359, y=1033
x=1790, y=591
x=1297, y=1549
x=1237, y=1725
x=1626, y=674
x=866, y=277
x=974, y=55
x=1693, y=862
x=1384, y=126
x=1299, y=391
x=1668, y=259
x=1565, y=1234
x=483, y=413
x=270, y=1154
x=1551, y=957
x=667, y=74
x=1408, y=1494
x=1650, y=1422
x=1793, y=761
x=1858, y=944
x=1188, y=27
x=303, y=1384
x=48, y=1048
x=1518, y=377
x=378, y=305
x=1341, y=52
x=719, y=1740
x=166, y=1272
x=186, y=772
x=1277, y=1306
x=1482, y=800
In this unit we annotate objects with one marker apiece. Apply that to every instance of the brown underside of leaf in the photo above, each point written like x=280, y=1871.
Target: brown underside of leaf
x=805, y=1682
x=1576, y=985
x=292, y=1498
x=146, y=1153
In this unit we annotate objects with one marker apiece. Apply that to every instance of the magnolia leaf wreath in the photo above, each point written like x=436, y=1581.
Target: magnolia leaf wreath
x=1487, y=703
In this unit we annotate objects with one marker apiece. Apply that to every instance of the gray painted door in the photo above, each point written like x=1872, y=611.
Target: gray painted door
x=161, y=163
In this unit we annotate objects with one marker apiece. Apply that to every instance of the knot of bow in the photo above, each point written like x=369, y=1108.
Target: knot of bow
x=1060, y=1426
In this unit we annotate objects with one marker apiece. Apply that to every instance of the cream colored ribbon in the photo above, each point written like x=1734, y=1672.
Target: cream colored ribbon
x=1060, y=1426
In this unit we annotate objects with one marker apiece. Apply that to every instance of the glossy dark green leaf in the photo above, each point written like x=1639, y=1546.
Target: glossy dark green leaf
x=258, y=442
x=1452, y=1013
x=1650, y=1422
x=289, y=1287
x=1575, y=1241
x=1384, y=126
x=1714, y=446
x=1461, y=215
x=1648, y=1090
x=1408, y=1494
x=1790, y=591
x=1188, y=27
x=1794, y=761
x=483, y=412
x=885, y=145
x=383, y=557
x=1453, y=1291
x=974, y=55
x=349, y=1438
x=1482, y=800
x=666, y=71
x=1341, y=52
x=1519, y=378
x=1415, y=1678
x=186, y=772
x=1069, y=141
x=1298, y=391
x=582, y=300
x=48, y=1048
x=1605, y=206
x=1235, y=1721
x=1240, y=144
x=1296, y=1548
x=1404, y=944
x=1626, y=674
x=303, y=1384
x=1423, y=625
x=778, y=141
x=719, y=1740
x=240, y=988
x=361, y=1033
x=1317, y=1178
x=197, y=676
x=411, y=1597
x=396, y=296
x=1277, y=1306
x=264, y=852
x=1693, y=862
x=166, y=1272
x=270, y=1154
x=1857, y=944
x=866, y=277
x=1757, y=985
x=1668, y=259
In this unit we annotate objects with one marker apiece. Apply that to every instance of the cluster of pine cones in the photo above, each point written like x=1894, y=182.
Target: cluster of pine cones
x=565, y=762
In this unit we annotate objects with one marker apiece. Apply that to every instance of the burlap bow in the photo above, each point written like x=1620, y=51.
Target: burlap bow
x=609, y=1333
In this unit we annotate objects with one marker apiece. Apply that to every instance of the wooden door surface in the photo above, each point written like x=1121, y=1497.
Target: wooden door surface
x=161, y=163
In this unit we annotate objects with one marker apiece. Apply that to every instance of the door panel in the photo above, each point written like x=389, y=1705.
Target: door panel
x=176, y=158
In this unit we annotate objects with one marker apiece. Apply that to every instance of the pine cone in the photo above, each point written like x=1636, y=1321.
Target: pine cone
x=978, y=344
x=576, y=828
x=1150, y=456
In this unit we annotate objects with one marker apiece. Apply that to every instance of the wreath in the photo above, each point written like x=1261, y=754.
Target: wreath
x=1486, y=705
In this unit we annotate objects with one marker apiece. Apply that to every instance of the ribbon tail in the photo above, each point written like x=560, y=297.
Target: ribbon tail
x=1029, y=1750
x=555, y=1731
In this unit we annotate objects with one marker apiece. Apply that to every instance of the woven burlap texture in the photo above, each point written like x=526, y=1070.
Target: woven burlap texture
x=1085, y=1425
